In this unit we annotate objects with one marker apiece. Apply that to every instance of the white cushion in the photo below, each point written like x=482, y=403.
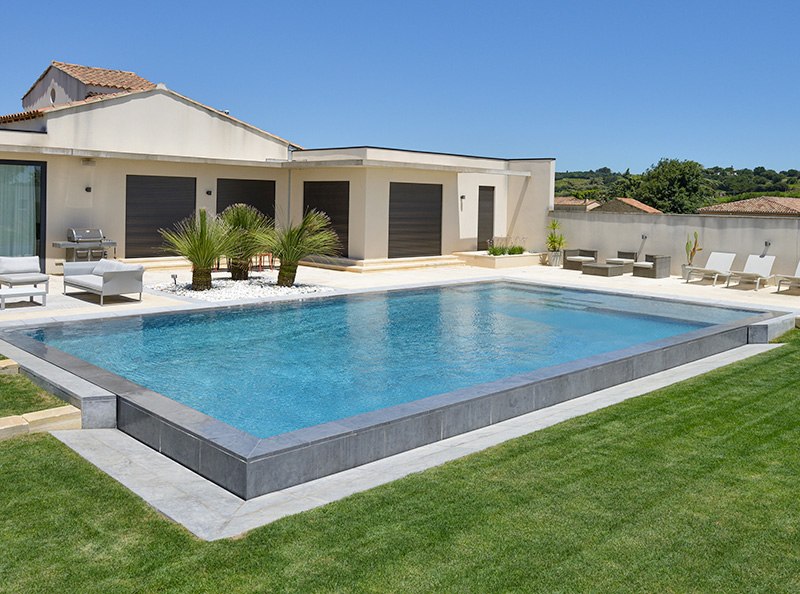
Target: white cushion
x=110, y=266
x=17, y=265
x=619, y=261
x=643, y=264
x=580, y=259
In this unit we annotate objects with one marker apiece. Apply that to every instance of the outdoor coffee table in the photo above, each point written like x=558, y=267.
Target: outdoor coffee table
x=603, y=269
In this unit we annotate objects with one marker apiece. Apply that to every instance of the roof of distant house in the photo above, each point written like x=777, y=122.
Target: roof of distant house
x=100, y=77
x=640, y=205
x=763, y=205
x=572, y=201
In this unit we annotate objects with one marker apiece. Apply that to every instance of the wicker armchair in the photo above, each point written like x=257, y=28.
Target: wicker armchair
x=653, y=267
x=574, y=259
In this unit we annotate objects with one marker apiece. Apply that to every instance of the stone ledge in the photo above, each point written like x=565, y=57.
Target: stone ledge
x=52, y=419
x=8, y=367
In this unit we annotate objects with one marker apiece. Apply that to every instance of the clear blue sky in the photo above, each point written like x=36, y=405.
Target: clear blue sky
x=593, y=84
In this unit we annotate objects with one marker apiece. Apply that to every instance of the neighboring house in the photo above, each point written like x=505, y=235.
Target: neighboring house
x=64, y=83
x=572, y=204
x=134, y=161
x=626, y=205
x=763, y=205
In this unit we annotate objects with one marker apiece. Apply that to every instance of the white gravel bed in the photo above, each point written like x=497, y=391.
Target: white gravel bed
x=229, y=290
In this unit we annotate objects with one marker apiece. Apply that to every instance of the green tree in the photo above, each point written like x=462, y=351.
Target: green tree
x=290, y=244
x=674, y=186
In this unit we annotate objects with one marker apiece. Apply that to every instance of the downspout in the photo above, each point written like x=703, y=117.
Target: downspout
x=291, y=150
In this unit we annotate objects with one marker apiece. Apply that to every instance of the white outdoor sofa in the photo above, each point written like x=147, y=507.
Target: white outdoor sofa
x=22, y=270
x=757, y=268
x=104, y=277
x=718, y=264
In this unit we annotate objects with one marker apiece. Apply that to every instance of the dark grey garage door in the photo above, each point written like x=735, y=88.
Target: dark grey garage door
x=153, y=203
x=332, y=198
x=415, y=220
x=258, y=193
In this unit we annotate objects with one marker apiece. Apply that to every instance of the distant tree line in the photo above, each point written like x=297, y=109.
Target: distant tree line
x=672, y=185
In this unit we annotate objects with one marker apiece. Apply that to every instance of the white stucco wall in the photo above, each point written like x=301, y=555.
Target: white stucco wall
x=667, y=234
x=158, y=122
x=530, y=200
x=66, y=87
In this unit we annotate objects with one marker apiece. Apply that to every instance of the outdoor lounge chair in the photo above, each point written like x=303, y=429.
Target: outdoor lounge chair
x=575, y=259
x=22, y=270
x=718, y=264
x=105, y=277
x=757, y=268
x=792, y=281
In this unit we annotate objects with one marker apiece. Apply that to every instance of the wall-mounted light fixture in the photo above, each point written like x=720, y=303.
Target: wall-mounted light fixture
x=88, y=188
x=463, y=197
x=88, y=162
x=644, y=236
x=767, y=243
x=208, y=192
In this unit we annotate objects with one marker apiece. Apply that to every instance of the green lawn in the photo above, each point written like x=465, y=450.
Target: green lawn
x=18, y=395
x=693, y=488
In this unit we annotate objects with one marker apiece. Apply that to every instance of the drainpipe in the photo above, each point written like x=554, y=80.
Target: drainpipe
x=291, y=150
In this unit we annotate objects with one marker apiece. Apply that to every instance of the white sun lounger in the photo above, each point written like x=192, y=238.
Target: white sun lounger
x=792, y=281
x=718, y=264
x=757, y=268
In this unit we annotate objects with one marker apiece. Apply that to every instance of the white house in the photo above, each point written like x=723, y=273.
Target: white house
x=108, y=149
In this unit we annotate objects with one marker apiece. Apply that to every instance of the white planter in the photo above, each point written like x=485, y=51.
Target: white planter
x=554, y=258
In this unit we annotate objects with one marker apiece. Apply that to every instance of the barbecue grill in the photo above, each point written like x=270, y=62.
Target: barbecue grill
x=86, y=244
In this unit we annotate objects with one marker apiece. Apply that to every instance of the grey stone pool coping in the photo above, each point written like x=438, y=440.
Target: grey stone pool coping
x=249, y=466
x=210, y=512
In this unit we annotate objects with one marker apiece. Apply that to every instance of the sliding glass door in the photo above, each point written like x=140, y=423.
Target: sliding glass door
x=22, y=208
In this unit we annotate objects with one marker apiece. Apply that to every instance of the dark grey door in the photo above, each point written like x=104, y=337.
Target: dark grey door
x=332, y=198
x=258, y=193
x=152, y=203
x=485, y=215
x=415, y=220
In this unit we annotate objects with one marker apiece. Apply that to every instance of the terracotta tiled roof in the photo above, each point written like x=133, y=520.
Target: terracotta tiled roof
x=571, y=201
x=100, y=77
x=103, y=77
x=20, y=117
x=640, y=205
x=764, y=205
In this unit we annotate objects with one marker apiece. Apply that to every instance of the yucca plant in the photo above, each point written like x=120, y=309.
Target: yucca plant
x=202, y=240
x=290, y=244
x=247, y=226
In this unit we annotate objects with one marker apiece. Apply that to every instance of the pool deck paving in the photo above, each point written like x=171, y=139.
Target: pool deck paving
x=211, y=512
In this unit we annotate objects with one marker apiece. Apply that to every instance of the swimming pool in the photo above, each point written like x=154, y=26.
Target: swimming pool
x=451, y=359
x=273, y=369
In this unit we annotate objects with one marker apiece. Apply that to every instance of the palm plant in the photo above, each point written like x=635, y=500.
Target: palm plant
x=290, y=244
x=247, y=226
x=202, y=240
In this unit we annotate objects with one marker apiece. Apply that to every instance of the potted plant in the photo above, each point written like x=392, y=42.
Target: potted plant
x=692, y=248
x=555, y=242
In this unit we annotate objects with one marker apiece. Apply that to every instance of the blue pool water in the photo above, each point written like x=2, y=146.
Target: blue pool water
x=275, y=368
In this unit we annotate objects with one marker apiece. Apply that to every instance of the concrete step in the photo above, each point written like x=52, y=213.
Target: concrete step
x=377, y=265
